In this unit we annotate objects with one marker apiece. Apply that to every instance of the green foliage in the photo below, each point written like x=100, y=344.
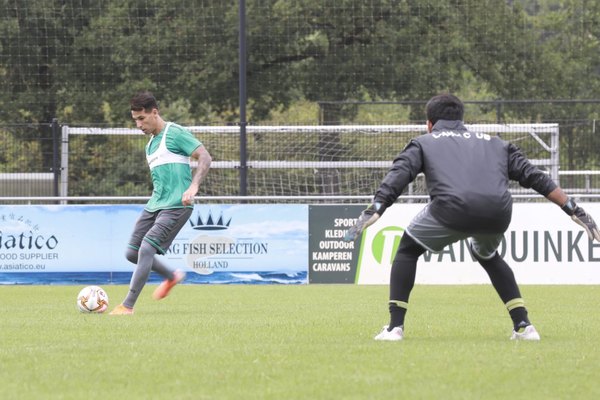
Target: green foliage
x=108, y=166
x=19, y=155
x=301, y=112
x=80, y=61
x=84, y=59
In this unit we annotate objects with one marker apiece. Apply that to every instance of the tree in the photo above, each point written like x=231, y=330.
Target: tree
x=80, y=61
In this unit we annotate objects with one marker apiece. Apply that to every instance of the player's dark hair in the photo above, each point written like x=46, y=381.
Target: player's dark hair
x=143, y=101
x=444, y=106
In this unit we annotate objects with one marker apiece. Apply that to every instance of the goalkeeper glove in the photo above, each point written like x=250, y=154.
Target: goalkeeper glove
x=579, y=215
x=367, y=217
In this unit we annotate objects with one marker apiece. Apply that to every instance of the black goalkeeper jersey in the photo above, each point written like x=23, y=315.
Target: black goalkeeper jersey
x=467, y=176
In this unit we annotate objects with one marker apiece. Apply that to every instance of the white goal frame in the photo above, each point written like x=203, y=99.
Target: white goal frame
x=551, y=162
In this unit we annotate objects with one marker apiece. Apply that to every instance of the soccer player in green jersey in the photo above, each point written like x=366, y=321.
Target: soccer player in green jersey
x=168, y=152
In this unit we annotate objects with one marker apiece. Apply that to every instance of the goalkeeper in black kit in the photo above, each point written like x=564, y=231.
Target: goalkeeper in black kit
x=467, y=176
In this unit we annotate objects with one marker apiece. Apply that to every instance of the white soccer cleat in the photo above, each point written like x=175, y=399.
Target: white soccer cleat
x=529, y=333
x=394, y=335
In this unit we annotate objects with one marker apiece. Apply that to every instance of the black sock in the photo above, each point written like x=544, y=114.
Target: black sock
x=503, y=280
x=502, y=277
x=397, y=314
x=519, y=317
x=402, y=279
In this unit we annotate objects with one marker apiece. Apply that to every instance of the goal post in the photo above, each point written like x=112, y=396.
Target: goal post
x=291, y=161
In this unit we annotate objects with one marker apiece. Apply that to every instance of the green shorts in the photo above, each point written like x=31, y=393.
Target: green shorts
x=159, y=228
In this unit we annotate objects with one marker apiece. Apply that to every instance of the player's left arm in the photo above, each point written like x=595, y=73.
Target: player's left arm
x=530, y=176
x=577, y=214
x=203, y=158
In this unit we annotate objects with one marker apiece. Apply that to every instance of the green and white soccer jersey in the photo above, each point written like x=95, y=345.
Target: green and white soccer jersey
x=168, y=156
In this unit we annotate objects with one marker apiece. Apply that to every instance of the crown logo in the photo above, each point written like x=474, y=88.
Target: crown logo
x=209, y=224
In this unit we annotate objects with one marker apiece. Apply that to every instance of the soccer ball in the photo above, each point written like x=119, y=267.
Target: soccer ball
x=92, y=299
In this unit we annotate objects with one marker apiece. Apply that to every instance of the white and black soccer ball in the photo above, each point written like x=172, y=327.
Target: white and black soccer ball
x=92, y=299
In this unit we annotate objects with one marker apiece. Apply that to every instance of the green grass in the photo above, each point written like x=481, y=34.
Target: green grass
x=297, y=342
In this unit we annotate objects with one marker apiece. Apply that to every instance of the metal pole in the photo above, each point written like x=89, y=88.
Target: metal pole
x=554, y=154
x=499, y=111
x=64, y=164
x=55, y=160
x=242, y=101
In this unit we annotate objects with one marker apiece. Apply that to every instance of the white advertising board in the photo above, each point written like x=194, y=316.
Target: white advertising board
x=542, y=245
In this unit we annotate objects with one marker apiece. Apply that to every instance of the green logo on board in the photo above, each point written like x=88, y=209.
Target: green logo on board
x=385, y=243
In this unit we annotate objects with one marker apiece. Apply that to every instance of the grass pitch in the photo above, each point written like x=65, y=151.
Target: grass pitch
x=297, y=342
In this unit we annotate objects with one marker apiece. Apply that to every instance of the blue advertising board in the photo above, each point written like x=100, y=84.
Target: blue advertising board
x=62, y=244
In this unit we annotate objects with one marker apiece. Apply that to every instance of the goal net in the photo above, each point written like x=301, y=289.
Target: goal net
x=344, y=162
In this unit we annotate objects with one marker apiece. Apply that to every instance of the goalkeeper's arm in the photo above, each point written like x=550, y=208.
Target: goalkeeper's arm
x=367, y=217
x=576, y=213
x=579, y=215
x=406, y=166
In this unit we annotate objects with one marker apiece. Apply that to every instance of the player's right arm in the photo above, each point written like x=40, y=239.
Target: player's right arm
x=404, y=170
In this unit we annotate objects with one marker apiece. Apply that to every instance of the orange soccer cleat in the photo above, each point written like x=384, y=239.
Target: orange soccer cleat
x=121, y=310
x=165, y=287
